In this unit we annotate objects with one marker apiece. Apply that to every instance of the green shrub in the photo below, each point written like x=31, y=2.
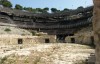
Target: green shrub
x=7, y=30
x=2, y=60
x=38, y=34
x=33, y=33
x=23, y=34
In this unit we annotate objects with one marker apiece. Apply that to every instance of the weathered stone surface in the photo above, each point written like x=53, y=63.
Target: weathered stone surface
x=13, y=39
x=96, y=26
x=83, y=39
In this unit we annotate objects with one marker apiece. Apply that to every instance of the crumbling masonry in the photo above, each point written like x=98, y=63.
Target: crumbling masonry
x=96, y=26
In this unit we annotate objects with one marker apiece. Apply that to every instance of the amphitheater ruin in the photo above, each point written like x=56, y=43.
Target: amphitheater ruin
x=21, y=28
x=74, y=26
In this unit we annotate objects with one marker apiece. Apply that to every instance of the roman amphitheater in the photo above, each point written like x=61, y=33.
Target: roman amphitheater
x=74, y=26
x=67, y=37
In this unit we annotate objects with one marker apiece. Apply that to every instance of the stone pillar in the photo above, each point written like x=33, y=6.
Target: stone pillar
x=96, y=28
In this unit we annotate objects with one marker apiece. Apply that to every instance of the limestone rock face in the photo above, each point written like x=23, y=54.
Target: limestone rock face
x=96, y=27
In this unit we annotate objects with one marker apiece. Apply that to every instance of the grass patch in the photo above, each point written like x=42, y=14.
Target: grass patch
x=2, y=60
x=33, y=33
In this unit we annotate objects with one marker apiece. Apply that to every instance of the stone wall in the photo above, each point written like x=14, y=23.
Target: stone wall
x=51, y=38
x=96, y=27
x=13, y=39
x=81, y=38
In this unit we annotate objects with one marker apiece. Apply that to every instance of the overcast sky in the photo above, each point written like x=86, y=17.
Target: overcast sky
x=59, y=4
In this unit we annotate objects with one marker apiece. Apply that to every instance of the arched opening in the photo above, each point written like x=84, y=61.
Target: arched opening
x=61, y=37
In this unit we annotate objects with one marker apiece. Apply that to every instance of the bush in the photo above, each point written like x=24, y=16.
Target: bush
x=7, y=30
x=38, y=34
x=33, y=33
x=2, y=60
x=6, y=3
x=19, y=7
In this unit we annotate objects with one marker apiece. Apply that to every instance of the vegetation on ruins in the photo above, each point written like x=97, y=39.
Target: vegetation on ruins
x=6, y=3
x=38, y=34
x=7, y=30
x=39, y=10
x=19, y=7
x=66, y=9
x=29, y=9
x=53, y=10
x=33, y=33
x=46, y=9
x=81, y=7
x=36, y=10
x=2, y=60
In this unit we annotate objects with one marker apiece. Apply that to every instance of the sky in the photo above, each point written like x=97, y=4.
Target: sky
x=59, y=4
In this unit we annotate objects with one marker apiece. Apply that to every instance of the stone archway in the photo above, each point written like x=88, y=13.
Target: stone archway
x=96, y=28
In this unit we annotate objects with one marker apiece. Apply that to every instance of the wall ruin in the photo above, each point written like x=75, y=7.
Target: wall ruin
x=96, y=27
x=26, y=40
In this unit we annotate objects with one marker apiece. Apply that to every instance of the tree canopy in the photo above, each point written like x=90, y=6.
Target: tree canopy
x=46, y=9
x=66, y=9
x=81, y=7
x=28, y=9
x=53, y=10
x=6, y=3
x=19, y=7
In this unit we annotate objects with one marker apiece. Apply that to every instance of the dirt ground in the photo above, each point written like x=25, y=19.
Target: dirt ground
x=58, y=53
